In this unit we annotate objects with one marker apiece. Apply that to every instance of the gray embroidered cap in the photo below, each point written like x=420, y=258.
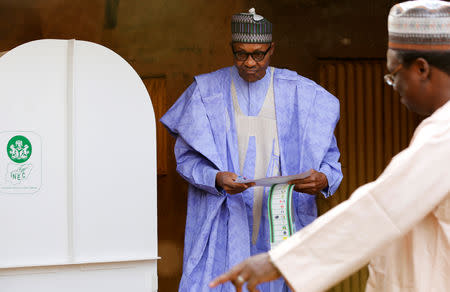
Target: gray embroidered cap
x=250, y=28
x=422, y=25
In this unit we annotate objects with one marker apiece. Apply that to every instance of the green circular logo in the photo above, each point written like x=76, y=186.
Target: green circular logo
x=19, y=149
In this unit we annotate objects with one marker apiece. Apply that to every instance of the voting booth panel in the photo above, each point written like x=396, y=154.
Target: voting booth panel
x=77, y=170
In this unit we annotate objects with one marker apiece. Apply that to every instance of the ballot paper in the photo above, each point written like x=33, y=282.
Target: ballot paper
x=268, y=181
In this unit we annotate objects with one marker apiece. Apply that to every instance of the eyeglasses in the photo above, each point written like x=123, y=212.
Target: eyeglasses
x=389, y=78
x=258, y=56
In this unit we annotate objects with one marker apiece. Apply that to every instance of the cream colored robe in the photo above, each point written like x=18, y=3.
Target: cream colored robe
x=400, y=222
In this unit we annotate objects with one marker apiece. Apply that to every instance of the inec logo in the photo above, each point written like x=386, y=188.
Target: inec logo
x=19, y=149
x=21, y=164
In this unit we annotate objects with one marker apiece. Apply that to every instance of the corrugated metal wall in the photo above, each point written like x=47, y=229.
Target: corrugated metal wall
x=374, y=126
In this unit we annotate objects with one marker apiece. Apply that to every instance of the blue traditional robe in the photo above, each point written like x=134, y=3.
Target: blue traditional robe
x=218, y=225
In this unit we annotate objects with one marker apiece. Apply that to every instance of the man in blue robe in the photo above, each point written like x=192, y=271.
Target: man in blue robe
x=254, y=121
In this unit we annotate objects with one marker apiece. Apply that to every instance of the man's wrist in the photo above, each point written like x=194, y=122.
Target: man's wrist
x=218, y=185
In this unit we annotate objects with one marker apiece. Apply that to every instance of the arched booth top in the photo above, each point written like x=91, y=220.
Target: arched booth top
x=77, y=158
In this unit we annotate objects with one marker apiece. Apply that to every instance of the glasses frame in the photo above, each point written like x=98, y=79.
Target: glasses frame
x=250, y=54
x=390, y=78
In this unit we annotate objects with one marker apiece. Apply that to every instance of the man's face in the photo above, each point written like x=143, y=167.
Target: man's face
x=408, y=83
x=249, y=69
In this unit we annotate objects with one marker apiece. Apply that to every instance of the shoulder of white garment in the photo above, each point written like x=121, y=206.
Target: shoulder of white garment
x=438, y=123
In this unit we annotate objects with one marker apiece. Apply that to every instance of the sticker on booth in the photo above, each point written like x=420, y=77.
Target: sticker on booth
x=20, y=162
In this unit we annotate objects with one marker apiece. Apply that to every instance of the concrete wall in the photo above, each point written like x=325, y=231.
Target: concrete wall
x=180, y=39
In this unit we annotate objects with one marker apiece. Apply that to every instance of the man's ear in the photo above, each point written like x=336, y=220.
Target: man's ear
x=423, y=68
x=272, y=48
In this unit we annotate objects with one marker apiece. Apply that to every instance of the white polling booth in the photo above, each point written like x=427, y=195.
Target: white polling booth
x=77, y=171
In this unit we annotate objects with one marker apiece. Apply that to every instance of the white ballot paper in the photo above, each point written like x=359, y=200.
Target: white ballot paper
x=268, y=181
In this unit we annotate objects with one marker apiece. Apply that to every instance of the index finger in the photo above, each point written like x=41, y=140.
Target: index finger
x=228, y=276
